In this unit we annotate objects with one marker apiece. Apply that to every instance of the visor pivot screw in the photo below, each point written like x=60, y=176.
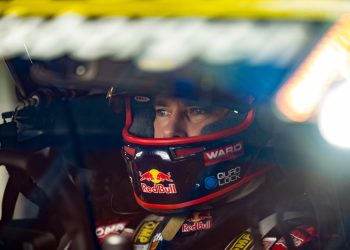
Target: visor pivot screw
x=80, y=70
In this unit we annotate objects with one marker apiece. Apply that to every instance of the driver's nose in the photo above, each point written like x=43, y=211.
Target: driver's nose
x=175, y=126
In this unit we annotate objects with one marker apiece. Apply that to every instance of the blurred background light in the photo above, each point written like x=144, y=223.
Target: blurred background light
x=334, y=117
x=300, y=96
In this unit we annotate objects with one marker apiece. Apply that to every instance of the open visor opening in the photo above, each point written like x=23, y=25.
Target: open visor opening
x=210, y=121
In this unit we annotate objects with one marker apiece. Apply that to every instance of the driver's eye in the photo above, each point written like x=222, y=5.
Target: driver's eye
x=162, y=112
x=198, y=111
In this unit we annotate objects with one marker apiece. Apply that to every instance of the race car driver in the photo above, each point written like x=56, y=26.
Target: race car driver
x=202, y=162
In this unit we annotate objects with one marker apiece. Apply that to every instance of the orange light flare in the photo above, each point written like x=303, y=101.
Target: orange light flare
x=328, y=62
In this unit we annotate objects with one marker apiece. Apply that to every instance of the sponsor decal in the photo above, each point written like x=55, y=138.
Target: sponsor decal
x=142, y=98
x=268, y=242
x=210, y=182
x=244, y=241
x=157, y=178
x=224, y=153
x=280, y=245
x=104, y=231
x=145, y=232
x=199, y=221
x=300, y=236
x=155, y=242
x=229, y=176
x=159, y=189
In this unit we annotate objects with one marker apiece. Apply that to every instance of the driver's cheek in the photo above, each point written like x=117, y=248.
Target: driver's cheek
x=170, y=126
x=195, y=128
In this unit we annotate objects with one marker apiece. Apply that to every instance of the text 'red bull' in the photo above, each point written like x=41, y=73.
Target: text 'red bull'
x=198, y=221
x=157, y=177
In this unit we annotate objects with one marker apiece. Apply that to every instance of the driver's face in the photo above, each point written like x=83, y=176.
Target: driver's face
x=180, y=118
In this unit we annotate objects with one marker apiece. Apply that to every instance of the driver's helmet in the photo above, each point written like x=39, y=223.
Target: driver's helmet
x=177, y=173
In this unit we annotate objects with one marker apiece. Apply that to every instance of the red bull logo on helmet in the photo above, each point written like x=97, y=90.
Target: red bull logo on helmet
x=157, y=177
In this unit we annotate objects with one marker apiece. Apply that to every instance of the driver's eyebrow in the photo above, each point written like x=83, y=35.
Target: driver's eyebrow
x=164, y=101
x=190, y=103
x=161, y=102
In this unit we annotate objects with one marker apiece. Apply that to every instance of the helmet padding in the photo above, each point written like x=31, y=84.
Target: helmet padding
x=142, y=123
x=231, y=120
